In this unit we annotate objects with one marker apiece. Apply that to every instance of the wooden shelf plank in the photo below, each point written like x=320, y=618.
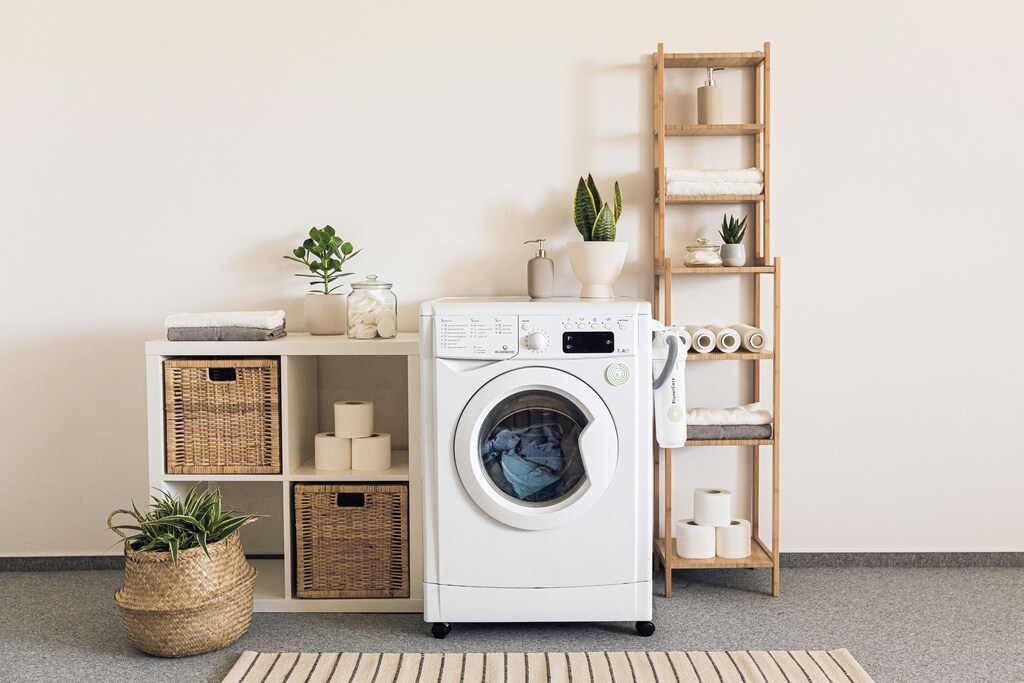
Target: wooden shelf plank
x=292, y=344
x=714, y=129
x=730, y=442
x=739, y=355
x=716, y=270
x=689, y=60
x=399, y=471
x=759, y=558
x=714, y=199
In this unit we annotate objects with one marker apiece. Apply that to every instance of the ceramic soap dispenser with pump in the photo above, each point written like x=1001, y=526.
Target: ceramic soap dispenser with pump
x=709, y=99
x=540, y=273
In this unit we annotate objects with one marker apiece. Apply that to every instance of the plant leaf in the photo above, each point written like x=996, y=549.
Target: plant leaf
x=583, y=213
x=604, y=226
x=618, y=202
x=592, y=186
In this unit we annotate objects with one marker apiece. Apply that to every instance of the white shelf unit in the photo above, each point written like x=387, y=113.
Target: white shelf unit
x=315, y=371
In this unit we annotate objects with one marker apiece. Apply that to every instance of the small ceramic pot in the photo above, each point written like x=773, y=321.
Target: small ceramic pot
x=325, y=313
x=734, y=255
x=597, y=265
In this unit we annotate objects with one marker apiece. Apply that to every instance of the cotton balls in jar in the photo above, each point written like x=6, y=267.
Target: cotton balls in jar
x=371, y=310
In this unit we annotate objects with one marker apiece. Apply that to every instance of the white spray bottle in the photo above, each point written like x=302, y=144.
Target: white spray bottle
x=668, y=365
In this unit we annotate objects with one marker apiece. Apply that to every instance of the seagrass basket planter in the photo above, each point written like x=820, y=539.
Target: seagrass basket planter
x=200, y=605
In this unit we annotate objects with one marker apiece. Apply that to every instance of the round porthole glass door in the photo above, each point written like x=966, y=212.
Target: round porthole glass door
x=536, y=448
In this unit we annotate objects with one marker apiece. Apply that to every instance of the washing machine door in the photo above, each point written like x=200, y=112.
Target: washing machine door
x=536, y=448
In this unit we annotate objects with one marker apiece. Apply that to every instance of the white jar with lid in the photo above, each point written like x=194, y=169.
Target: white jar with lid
x=372, y=310
x=702, y=254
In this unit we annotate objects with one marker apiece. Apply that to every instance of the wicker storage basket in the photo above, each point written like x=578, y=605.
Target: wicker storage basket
x=201, y=605
x=351, y=541
x=222, y=416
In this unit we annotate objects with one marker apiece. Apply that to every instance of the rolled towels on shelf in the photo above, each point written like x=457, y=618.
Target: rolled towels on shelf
x=263, y=320
x=683, y=188
x=694, y=541
x=702, y=340
x=332, y=452
x=726, y=338
x=751, y=338
x=715, y=175
x=750, y=414
x=733, y=539
x=353, y=419
x=372, y=453
x=712, y=507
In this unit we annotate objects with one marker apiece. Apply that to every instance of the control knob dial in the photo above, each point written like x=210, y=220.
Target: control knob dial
x=537, y=341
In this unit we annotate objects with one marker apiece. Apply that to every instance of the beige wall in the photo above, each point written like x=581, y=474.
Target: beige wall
x=161, y=158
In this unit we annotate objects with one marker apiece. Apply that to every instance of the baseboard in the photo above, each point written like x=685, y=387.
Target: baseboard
x=817, y=560
x=79, y=563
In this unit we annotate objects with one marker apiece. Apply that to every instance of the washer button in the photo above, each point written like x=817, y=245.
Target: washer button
x=607, y=326
x=617, y=374
x=594, y=326
x=622, y=326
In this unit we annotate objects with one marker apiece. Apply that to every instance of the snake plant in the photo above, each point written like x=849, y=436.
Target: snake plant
x=732, y=230
x=595, y=221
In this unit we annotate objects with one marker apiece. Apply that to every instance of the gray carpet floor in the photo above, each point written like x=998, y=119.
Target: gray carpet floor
x=907, y=624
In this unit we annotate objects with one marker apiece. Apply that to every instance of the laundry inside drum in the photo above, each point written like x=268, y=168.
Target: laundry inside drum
x=529, y=447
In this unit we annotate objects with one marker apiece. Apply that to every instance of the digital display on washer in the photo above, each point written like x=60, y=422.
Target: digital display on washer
x=588, y=342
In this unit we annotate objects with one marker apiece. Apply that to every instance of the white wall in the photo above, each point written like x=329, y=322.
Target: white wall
x=161, y=158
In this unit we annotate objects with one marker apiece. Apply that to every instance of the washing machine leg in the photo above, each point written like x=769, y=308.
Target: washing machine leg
x=645, y=628
x=441, y=628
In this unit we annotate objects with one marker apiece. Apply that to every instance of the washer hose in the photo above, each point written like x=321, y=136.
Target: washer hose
x=672, y=342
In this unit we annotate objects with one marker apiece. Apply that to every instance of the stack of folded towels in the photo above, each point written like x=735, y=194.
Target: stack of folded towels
x=752, y=421
x=226, y=326
x=687, y=182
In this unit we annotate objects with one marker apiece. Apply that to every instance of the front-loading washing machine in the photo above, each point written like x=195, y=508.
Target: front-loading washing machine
x=537, y=468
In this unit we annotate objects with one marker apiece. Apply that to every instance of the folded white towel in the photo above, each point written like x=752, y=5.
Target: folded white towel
x=686, y=188
x=752, y=414
x=715, y=175
x=264, y=320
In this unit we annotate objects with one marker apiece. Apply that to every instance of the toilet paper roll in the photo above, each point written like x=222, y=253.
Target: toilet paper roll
x=693, y=541
x=751, y=338
x=712, y=507
x=702, y=340
x=353, y=419
x=733, y=541
x=726, y=338
x=332, y=452
x=372, y=453
x=684, y=339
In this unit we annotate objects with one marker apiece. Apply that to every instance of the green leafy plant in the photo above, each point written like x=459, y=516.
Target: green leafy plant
x=324, y=253
x=732, y=230
x=173, y=525
x=595, y=221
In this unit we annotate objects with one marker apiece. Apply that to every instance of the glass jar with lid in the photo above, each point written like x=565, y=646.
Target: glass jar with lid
x=372, y=310
x=702, y=254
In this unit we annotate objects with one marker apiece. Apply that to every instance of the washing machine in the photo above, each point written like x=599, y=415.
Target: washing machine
x=536, y=418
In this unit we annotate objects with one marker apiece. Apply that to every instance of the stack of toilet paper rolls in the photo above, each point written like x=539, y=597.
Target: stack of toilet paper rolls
x=353, y=445
x=725, y=338
x=712, y=531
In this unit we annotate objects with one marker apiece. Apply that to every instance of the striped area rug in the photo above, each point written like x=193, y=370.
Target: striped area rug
x=776, y=666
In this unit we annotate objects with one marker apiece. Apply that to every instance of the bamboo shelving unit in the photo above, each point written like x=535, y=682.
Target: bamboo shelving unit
x=761, y=264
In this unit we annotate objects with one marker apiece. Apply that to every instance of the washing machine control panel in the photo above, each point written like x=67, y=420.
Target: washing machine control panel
x=498, y=337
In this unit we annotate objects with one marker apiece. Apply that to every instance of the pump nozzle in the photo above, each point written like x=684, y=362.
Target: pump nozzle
x=540, y=247
x=711, y=74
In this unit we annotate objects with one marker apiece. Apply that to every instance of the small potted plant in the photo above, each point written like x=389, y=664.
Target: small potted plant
x=733, y=253
x=187, y=585
x=324, y=254
x=597, y=260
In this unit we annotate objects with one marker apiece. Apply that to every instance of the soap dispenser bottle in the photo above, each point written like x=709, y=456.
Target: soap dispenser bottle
x=540, y=273
x=709, y=99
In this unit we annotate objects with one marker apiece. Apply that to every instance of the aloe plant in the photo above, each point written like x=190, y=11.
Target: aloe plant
x=595, y=221
x=173, y=525
x=324, y=253
x=732, y=230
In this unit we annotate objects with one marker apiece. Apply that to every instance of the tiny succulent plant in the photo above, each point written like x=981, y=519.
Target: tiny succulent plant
x=173, y=524
x=595, y=221
x=732, y=230
x=324, y=253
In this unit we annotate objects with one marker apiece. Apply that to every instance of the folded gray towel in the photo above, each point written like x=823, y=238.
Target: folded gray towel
x=716, y=432
x=223, y=333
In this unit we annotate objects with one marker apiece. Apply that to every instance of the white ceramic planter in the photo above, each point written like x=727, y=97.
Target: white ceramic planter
x=325, y=313
x=597, y=265
x=734, y=255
